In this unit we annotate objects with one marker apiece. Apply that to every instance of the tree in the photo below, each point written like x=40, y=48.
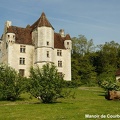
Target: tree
x=83, y=71
x=107, y=61
x=45, y=83
x=82, y=46
x=108, y=54
x=87, y=71
x=11, y=84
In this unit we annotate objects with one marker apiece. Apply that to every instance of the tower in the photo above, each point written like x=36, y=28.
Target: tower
x=68, y=42
x=8, y=40
x=43, y=38
x=68, y=46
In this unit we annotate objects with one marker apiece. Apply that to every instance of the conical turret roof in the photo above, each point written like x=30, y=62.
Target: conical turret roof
x=42, y=21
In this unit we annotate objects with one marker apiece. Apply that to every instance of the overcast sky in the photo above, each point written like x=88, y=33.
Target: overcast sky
x=96, y=19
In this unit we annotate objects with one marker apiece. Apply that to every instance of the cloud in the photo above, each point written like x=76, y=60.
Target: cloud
x=76, y=23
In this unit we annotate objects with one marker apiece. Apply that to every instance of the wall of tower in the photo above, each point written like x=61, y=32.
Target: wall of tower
x=67, y=64
x=45, y=34
x=68, y=44
x=44, y=54
x=8, y=40
x=44, y=44
x=4, y=50
x=10, y=37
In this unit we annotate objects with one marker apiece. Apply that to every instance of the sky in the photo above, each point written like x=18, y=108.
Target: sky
x=95, y=19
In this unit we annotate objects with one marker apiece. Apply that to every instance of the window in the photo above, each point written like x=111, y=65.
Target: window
x=21, y=72
x=47, y=43
x=59, y=52
x=48, y=54
x=22, y=48
x=59, y=63
x=67, y=43
x=22, y=61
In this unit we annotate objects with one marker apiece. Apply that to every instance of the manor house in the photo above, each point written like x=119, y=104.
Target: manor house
x=36, y=44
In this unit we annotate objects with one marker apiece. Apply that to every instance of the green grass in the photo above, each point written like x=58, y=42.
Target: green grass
x=87, y=101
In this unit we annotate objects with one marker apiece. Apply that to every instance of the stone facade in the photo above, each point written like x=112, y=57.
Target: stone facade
x=37, y=44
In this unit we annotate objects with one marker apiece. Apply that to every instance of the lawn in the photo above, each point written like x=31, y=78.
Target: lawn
x=87, y=101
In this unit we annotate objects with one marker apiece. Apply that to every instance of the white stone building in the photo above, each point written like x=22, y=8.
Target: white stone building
x=37, y=44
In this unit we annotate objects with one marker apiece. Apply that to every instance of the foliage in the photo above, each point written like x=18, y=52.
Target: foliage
x=93, y=64
x=11, y=84
x=83, y=71
x=108, y=56
x=45, y=83
x=109, y=83
x=87, y=72
x=72, y=84
x=81, y=45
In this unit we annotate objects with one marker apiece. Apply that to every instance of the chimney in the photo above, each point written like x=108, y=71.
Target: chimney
x=62, y=33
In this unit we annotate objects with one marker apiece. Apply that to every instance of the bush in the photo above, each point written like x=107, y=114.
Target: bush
x=110, y=85
x=108, y=82
x=72, y=84
x=11, y=84
x=45, y=83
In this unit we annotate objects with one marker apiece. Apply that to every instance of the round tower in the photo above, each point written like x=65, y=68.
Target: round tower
x=68, y=42
x=43, y=39
x=10, y=37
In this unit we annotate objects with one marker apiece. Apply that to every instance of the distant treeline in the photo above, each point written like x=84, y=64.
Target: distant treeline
x=92, y=64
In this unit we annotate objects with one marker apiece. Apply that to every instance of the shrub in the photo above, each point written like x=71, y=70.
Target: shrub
x=108, y=82
x=11, y=84
x=45, y=83
x=72, y=84
x=110, y=85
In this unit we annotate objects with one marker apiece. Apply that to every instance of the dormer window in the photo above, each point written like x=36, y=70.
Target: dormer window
x=8, y=36
x=67, y=43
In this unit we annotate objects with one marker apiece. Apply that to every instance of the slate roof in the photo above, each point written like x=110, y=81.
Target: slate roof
x=24, y=35
x=59, y=41
x=42, y=21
